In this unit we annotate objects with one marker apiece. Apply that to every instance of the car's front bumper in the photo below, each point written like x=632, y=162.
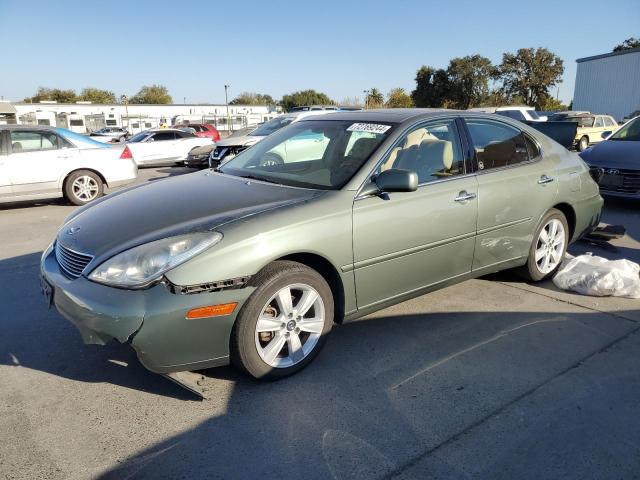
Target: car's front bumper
x=153, y=320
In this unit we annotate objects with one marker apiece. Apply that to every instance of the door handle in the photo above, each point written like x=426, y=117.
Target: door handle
x=545, y=179
x=463, y=196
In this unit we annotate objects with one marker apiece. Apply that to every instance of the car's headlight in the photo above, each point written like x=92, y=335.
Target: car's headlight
x=144, y=264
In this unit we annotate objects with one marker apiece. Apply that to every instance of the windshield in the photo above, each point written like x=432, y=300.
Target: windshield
x=630, y=132
x=271, y=126
x=81, y=141
x=320, y=154
x=139, y=137
x=582, y=121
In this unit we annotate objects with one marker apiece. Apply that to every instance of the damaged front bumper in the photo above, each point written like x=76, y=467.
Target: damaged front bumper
x=153, y=320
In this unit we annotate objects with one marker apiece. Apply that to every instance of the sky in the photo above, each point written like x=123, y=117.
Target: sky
x=277, y=47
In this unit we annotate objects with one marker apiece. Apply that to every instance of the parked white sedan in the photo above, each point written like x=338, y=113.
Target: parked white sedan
x=45, y=162
x=163, y=146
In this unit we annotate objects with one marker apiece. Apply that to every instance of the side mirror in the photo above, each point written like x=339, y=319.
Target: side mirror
x=393, y=180
x=606, y=134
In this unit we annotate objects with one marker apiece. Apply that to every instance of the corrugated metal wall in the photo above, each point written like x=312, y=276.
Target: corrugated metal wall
x=609, y=85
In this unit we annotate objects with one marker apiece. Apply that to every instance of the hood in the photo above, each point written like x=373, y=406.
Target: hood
x=245, y=140
x=195, y=202
x=614, y=154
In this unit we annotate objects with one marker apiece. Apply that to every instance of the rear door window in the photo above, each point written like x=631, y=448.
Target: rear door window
x=599, y=123
x=31, y=141
x=496, y=144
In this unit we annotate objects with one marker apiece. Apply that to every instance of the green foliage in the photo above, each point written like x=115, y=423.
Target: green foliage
x=374, y=98
x=628, y=44
x=55, y=94
x=432, y=88
x=530, y=73
x=152, y=94
x=96, y=95
x=252, y=98
x=550, y=103
x=303, y=98
x=469, y=80
x=398, y=98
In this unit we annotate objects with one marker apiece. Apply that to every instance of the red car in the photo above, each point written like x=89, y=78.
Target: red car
x=203, y=130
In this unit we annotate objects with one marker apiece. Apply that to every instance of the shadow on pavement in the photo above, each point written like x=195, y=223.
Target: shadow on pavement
x=386, y=390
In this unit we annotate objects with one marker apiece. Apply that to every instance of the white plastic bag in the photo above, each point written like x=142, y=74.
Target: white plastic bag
x=599, y=277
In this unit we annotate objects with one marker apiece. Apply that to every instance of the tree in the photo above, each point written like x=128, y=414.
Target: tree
x=432, y=88
x=551, y=104
x=398, y=98
x=628, y=44
x=96, y=95
x=374, y=98
x=530, y=73
x=152, y=94
x=469, y=80
x=53, y=94
x=251, y=98
x=303, y=98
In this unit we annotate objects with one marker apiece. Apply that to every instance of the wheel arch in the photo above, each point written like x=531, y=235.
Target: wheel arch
x=328, y=271
x=570, y=215
x=92, y=170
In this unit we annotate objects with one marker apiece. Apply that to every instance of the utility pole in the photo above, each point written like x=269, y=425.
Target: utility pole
x=124, y=99
x=226, y=102
x=366, y=98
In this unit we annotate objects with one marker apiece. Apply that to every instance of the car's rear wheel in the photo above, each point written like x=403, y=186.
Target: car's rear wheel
x=285, y=322
x=583, y=144
x=83, y=186
x=548, y=247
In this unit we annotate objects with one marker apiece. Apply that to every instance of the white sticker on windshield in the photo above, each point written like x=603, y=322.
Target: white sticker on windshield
x=368, y=127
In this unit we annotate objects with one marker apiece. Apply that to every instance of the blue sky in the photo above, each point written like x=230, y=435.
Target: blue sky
x=275, y=47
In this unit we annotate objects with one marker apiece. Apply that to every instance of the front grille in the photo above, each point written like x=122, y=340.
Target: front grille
x=71, y=263
x=630, y=182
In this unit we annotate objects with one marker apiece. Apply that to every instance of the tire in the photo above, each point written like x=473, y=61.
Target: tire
x=83, y=186
x=255, y=353
x=535, y=269
x=583, y=144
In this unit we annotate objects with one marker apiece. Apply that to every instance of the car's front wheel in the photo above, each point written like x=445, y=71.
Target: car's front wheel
x=83, y=186
x=285, y=322
x=548, y=247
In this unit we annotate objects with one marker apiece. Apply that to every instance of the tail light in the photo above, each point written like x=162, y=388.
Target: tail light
x=126, y=153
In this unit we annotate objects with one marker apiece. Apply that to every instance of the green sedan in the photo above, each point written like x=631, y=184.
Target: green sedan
x=326, y=220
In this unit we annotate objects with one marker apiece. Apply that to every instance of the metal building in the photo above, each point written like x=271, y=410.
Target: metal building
x=609, y=83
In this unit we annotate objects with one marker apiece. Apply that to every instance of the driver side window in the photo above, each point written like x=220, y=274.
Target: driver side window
x=433, y=151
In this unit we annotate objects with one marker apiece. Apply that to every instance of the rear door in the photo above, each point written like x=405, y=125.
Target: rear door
x=36, y=160
x=516, y=186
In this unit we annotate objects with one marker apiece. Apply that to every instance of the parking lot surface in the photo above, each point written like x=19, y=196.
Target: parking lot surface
x=492, y=378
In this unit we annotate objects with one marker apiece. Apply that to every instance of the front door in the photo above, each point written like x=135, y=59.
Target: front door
x=516, y=186
x=35, y=161
x=404, y=242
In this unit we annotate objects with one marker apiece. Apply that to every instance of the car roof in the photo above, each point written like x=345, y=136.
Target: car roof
x=27, y=127
x=393, y=115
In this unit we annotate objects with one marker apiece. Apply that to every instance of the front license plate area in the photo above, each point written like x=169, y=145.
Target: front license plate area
x=47, y=291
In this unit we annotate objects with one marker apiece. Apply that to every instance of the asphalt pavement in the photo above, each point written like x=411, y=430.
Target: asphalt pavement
x=493, y=378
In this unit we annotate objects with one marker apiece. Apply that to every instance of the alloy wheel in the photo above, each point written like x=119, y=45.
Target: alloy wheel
x=290, y=325
x=550, y=246
x=85, y=188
